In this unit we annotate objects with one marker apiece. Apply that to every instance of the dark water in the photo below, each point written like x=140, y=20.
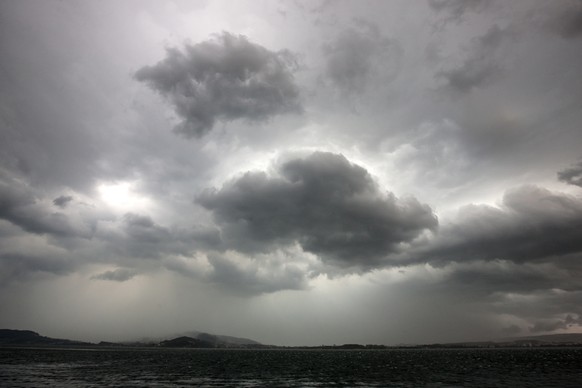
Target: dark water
x=553, y=367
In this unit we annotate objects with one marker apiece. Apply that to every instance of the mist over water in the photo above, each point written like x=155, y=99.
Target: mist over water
x=548, y=367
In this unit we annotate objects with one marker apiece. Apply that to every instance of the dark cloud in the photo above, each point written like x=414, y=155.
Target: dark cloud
x=357, y=56
x=331, y=207
x=562, y=17
x=143, y=229
x=117, y=275
x=62, y=201
x=480, y=66
x=255, y=276
x=570, y=25
x=484, y=278
x=19, y=205
x=572, y=175
x=225, y=78
x=512, y=330
x=545, y=326
x=140, y=236
x=456, y=9
x=259, y=273
x=571, y=320
x=17, y=266
x=532, y=224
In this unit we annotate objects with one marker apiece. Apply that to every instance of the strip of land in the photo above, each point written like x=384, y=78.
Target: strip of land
x=200, y=340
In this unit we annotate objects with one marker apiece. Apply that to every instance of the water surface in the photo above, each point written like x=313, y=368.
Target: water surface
x=540, y=367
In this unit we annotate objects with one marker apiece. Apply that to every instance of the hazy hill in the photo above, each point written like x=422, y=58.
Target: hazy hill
x=216, y=338
x=573, y=338
x=205, y=340
x=192, y=340
x=30, y=338
x=186, y=342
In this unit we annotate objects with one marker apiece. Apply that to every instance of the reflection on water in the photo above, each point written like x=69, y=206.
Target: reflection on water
x=541, y=367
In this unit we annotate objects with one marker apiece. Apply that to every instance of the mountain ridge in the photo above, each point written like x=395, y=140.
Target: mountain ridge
x=196, y=339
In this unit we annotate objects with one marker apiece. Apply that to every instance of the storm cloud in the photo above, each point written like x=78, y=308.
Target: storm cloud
x=563, y=18
x=20, y=205
x=20, y=266
x=324, y=139
x=139, y=236
x=257, y=275
x=532, y=224
x=331, y=207
x=224, y=79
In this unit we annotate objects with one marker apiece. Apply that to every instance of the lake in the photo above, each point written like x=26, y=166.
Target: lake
x=534, y=367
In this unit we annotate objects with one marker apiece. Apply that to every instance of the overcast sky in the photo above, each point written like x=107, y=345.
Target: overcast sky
x=295, y=172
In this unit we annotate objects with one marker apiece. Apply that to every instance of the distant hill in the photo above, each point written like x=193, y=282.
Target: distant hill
x=572, y=338
x=205, y=340
x=30, y=338
x=224, y=339
x=197, y=339
x=186, y=342
x=190, y=340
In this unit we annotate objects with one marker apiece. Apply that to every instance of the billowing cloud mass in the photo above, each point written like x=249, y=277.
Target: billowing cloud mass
x=347, y=171
x=531, y=225
x=330, y=206
x=224, y=79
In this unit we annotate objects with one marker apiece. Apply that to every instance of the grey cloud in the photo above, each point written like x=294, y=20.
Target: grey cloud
x=485, y=278
x=140, y=236
x=572, y=175
x=549, y=325
x=562, y=17
x=570, y=25
x=18, y=205
x=259, y=273
x=329, y=206
x=356, y=56
x=117, y=275
x=532, y=224
x=62, y=201
x=572, y=320
x=254, y=277
x=225, y=78
x=19, y=266
x=512, y=330
x=480, y=66
x=143, y=229
x=544, y=326
x=456, y=9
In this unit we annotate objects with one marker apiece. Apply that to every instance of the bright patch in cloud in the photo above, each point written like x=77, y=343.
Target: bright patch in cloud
x=122, y=196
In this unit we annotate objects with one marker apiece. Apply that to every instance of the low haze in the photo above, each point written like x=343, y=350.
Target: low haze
x=295, y=172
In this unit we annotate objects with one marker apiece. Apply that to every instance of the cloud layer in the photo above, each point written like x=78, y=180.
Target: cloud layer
x=532, y=224
x=324, y=140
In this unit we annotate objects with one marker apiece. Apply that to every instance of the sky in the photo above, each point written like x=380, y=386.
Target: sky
x=296, y=172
